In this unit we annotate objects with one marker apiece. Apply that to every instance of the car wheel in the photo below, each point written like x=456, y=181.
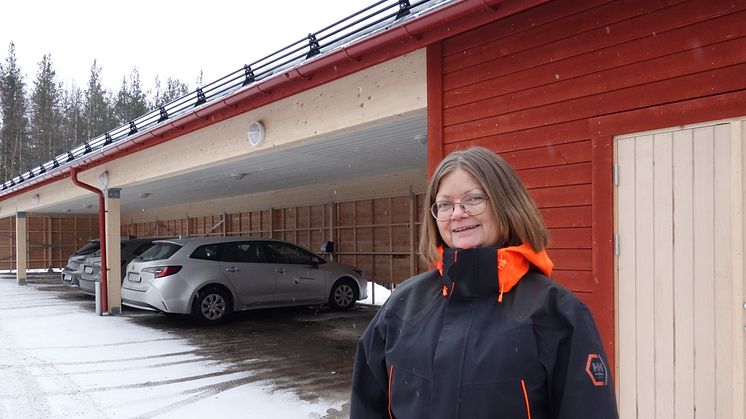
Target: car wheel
x=343, y=294
x=212, y=305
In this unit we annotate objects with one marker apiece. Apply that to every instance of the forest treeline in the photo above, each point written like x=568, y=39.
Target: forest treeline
x=45, y=118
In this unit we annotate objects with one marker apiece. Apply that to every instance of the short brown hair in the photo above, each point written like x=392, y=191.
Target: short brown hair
x=518, y=218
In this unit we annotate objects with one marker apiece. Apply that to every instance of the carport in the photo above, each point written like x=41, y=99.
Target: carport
x=357, y=139
x=341, y=155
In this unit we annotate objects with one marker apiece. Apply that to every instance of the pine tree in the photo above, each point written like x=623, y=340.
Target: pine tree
x=99, y=115
x=174, y=89
x=45, y=114
x=131, y=100
x=73, y=119
x=13, y=134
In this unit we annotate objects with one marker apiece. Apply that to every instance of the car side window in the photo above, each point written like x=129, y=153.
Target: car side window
x=242, y=252
x=206, y=252
x=285, y=253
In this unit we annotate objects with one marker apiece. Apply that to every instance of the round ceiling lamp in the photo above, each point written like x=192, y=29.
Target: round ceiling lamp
x=256, y=133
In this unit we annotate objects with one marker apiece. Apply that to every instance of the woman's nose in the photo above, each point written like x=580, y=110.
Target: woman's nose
x=458, y=211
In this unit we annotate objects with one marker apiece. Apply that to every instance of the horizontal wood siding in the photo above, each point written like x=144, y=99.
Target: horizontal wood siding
x=548, y=88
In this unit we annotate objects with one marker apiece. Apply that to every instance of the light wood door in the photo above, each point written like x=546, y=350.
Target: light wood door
x=680, y=315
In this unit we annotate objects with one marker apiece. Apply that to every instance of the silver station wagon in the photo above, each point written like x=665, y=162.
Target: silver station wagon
x=211, y=277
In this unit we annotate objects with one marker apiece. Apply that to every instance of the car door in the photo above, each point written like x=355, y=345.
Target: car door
x=299, y=280
x=244, y=266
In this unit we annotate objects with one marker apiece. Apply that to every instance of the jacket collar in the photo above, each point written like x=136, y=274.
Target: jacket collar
x=472, y=273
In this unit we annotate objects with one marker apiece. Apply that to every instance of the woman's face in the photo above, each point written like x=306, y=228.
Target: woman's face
x=463, y=230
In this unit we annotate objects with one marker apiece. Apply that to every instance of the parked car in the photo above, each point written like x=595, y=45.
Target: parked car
x=210, y=277
x=70, y=274
x=90, y=271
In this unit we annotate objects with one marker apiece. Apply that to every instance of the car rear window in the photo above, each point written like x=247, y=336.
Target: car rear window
x=88, y=248
x=159, y=251
x=142, y=248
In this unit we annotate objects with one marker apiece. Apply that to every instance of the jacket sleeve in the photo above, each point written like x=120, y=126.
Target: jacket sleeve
x=369, y=398
x=580, y=383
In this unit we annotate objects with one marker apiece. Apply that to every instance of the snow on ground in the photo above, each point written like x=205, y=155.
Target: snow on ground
x=60, y=361
x=377, y=295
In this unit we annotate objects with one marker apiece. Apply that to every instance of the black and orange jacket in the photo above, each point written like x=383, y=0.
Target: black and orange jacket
x=487, y=335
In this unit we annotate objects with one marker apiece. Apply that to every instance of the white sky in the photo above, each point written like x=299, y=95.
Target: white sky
x=160, y=37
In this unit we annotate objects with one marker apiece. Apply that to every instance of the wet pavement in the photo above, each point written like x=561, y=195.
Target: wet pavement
x=307, y=351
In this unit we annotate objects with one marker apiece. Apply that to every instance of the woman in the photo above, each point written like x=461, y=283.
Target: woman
x=487, y=334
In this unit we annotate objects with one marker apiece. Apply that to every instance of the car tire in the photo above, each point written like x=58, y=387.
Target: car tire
x=343, y=294
x=212, y=305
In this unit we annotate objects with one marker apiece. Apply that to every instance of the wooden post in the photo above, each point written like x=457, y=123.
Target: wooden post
x=50, y=248
x=21, y=248
x=114, y=250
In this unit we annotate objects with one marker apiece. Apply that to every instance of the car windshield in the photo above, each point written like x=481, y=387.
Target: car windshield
x=159, y=251
x=89, y=248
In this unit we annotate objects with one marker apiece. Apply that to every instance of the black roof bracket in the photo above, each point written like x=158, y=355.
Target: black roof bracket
x=200, y=97
x=313, y=46
x=404, y=7
x=249, y=76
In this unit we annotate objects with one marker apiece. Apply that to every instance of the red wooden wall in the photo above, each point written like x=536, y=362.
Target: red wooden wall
x=550, y=87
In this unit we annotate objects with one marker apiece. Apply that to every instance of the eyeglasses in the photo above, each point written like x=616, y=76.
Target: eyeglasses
x=470, y=204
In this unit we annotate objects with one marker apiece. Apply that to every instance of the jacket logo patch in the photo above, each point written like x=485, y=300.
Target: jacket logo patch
x=596, y=370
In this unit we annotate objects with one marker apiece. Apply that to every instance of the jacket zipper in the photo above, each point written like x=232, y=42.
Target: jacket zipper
x=525, y=398
x=391, y=378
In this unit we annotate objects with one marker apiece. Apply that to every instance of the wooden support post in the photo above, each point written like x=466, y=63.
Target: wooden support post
x=113, y=250
x=49, y=247
x=21, y=248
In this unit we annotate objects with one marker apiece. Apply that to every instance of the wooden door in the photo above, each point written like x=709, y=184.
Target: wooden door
x=680, y=314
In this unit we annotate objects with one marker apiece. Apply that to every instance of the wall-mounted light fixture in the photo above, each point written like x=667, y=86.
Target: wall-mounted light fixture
x=35, y=199
x=144, y=195
x=256, y=133
x=103, y=178
x=421, y=139
x=238, y=176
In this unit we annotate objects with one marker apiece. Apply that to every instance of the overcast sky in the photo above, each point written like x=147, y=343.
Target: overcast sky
x=166, y=38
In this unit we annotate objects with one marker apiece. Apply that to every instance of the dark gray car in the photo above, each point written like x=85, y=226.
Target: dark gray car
x=211, y=277
x=70, y=274
x=90, y=270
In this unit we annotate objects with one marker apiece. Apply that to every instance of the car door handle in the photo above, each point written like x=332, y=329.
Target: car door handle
x=280, y=271
x=232, y=269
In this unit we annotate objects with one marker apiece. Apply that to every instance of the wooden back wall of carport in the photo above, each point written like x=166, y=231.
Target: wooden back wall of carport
x=377, y=235
x=550, y=87
x=52, y=238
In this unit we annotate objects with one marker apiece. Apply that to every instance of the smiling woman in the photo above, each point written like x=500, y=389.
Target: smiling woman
x=487, y=333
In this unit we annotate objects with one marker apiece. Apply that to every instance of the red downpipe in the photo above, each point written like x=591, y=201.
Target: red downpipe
x=101, y=235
